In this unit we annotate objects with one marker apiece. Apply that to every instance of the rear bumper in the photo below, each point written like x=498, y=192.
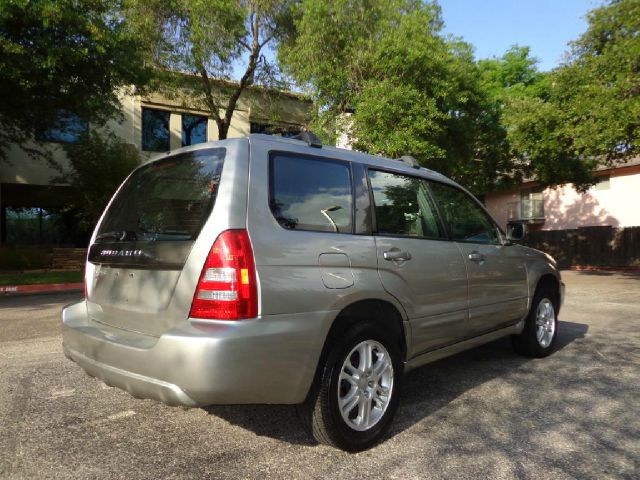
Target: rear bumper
x=268, y=360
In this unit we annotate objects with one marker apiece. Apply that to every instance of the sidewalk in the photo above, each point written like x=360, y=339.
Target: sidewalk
x=41, y=288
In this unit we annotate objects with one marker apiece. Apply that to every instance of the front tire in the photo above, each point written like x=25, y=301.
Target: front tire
x=541, y=327
x=356, y=396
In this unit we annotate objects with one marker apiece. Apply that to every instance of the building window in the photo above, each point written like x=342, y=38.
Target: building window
x=155, y=130
x=194, y=129
x=603, y=183
x=279, y=130
x=67, y=128
x=35, y=226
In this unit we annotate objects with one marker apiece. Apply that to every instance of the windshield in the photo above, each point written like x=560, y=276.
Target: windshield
x=167, y=200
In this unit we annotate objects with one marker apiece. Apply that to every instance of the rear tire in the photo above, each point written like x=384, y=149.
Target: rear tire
x=541, y=326
x=356, y=394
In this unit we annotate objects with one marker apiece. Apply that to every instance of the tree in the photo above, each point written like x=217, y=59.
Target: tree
x=63, y=56
x=513, y=74
x=99, y=164
x=411, y=89
x=197, y=43
x=587, y=113
x=599, y=85
x=517, y=94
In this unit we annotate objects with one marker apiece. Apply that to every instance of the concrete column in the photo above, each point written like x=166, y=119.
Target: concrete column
x=212, y=130
x=175, y=130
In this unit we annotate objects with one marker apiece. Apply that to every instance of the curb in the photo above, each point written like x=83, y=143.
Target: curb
x=589, y=268
x=41, y=288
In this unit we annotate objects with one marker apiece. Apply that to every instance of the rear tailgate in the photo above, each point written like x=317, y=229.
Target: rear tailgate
x=145, y=238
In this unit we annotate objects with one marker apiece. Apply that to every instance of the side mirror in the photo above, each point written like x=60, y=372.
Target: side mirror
x=516, y=231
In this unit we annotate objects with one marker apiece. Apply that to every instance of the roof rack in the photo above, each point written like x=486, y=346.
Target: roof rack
x=309, y=138
x=410, y=161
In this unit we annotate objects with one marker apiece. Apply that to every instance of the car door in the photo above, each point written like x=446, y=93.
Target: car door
x=497, y=275
x=417, y=264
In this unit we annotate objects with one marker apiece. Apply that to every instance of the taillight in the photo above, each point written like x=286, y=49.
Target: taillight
x=227, y=287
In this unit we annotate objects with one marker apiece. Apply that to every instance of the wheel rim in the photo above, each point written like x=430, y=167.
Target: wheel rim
x=365, y=385
x=545, y=322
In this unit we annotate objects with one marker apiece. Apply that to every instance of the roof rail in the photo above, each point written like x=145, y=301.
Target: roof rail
x=410, y=161
x=309, y=138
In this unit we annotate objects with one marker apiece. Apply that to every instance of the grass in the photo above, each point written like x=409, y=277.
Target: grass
x=36, y=278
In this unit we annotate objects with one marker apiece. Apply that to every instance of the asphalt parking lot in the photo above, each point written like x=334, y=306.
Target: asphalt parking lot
x=485, y=413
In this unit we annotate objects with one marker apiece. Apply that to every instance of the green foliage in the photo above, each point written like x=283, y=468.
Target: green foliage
x=100, y=163
x=598, y=88
x=63, y=55
x=585, y=113
x=413, y=90
x=206, y=39
x=519, y=97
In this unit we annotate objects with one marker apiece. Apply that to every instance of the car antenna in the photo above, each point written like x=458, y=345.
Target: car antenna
x=309, y=138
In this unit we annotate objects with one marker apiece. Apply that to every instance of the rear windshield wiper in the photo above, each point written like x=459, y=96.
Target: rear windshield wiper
x=118, y=235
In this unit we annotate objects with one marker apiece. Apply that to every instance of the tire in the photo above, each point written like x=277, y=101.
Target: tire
x=352, y=431
x=541, y=326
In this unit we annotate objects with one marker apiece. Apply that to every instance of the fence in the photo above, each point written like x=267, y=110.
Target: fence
x=590, y=246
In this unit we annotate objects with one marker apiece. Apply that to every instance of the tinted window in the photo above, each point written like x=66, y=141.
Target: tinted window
x=68, y=128
x=165, y=200
x=155, y=130
x=403, y=206
x=36, y=226
x=465, y=219
x=194, y=129
x=311, y=193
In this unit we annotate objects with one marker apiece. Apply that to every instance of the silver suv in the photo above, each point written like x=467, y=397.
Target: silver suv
x=273, y=270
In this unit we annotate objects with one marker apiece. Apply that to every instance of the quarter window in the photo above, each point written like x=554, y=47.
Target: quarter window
x=466, y=221
x=403, y=206
x=311, y=193
x=155, y=130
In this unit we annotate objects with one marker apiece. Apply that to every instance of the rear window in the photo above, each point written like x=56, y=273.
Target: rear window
x=166, y=201
x=311, y=193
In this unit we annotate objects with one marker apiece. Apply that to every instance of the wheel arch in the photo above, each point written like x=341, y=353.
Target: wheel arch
x=551, y=281
x=382, y=311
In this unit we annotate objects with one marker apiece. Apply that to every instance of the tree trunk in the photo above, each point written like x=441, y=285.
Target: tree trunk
x=223, y=129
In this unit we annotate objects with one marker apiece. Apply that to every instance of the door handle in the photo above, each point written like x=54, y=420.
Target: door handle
x=397, y=255
x=476, y=257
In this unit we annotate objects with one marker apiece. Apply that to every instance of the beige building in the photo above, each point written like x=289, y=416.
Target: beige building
x=612, y=201
x=31, y=198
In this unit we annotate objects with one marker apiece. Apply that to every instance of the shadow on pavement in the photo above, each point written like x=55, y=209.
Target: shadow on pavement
x=425, y=390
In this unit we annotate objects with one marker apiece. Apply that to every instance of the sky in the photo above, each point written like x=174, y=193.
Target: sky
x=492, y=26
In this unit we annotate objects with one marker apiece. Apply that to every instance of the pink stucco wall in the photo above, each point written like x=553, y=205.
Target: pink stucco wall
x=497, y=203
x=565, y=208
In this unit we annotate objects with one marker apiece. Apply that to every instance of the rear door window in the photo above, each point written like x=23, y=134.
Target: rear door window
x=311, y=193
x=164, y=202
